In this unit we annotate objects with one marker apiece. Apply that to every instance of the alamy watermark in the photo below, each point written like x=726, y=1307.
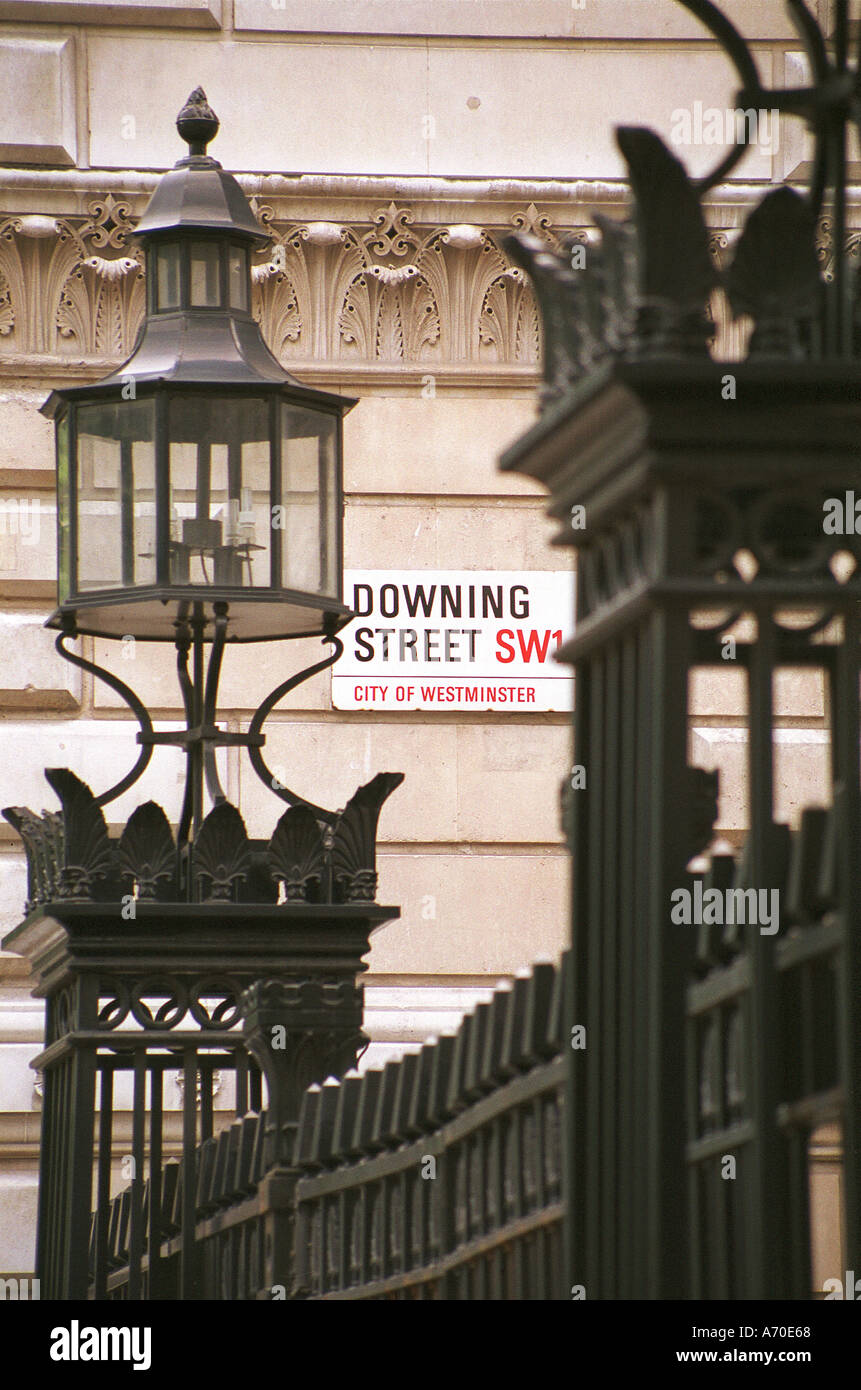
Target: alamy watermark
x=18, y=1287
x=709, y=125
x=726, y=907
x=847, y=1289
x=77, y=1343
x=842, y=515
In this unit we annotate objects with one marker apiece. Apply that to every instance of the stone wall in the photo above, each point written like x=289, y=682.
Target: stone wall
x=387, y=145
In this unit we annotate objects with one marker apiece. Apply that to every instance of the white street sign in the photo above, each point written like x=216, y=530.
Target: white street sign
x=455, y=640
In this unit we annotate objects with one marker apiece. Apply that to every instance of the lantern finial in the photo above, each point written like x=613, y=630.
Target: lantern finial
x=197, y=123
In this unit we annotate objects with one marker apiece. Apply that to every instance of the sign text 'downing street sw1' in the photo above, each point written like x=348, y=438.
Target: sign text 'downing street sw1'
x=455, y=640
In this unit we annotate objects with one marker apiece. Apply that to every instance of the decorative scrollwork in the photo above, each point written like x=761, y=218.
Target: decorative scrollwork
x=110, y=222
x=214, y=1001
x=114, y=1004
x=392, y=234
x=785, y=533
x=168, y=1013
x=536, y=224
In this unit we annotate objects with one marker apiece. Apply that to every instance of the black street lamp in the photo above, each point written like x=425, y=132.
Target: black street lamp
x=199, y=486
x=200, y=473
x=200, y=502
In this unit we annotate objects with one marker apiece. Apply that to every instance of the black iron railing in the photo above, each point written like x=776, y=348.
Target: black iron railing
x=438, y=1177
x=798, y=975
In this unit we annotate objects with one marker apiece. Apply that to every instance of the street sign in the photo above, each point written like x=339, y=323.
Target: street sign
x=455, y=640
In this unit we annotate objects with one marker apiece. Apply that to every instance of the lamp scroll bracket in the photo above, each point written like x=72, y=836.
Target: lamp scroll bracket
x=262, y=713
x=138, y=709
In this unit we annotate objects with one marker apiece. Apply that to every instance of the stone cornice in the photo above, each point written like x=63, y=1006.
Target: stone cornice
x=368, y=283
x=50, y=190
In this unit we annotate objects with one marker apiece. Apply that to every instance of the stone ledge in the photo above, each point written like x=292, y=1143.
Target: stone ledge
x=366, y=378
x=13, y=967
x=179, y=14
x=32, y=676
x=20, y=1133
x=433, y=197
x=28, y=591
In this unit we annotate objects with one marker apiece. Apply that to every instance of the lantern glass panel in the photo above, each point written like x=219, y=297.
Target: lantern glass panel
x=220, y=491
x=237, y=277
x=167, y=278
x=116, y=494
x=205, y=263
x=64, y=510
x=310, y=497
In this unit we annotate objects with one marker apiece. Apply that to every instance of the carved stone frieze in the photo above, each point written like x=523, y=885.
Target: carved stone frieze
x=389, y=291
x=390, y=287
x=393, y=292
x=71, y=285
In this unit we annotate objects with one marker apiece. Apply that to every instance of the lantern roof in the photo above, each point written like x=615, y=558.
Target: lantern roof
x=193, y=345
x=182, y=350
x=197, y=194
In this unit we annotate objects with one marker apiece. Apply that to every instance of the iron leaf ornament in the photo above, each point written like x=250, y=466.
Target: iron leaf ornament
x=774, y=275
x=645, y=288
x=86, y=848
x=616, y=269
x=34, y=834
x=221, y=854
x=354, y=841
x=297, y=855
x=676, y=270
x=146, y=853
x=71, y=856
x=573, y=337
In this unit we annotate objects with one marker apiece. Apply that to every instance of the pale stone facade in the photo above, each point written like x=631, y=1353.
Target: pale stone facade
x=387, y=144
